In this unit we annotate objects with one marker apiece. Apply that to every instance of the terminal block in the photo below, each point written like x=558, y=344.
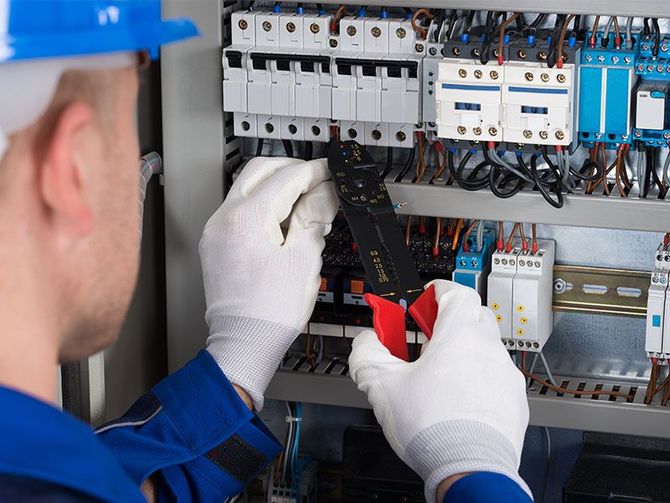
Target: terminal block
x=657, y=336
x=520, y=290
x=606, y=82
x=474, y=264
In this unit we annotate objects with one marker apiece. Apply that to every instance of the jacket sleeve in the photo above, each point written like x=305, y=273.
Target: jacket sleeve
x=195, y=433
x=486, y=487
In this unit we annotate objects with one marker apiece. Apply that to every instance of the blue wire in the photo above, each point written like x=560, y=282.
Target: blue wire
x=296, y=441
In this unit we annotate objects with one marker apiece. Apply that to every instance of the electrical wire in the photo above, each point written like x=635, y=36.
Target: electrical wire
x=534, y=246
x=259, y=147
x=575, y=392
x=666, y=166
x=309, y=151
x=389, y=162
x=556, y=203
x=629, y=32
x=288, y=147
x=436, y=241
x=408, y=165
x=606, y=33
x=657, y=42
x=594, y=32
x=457, y=232
x=547, y=465
x=501, y=41
x=480, y=236
x=421, y=162
x=561, y=40
x=466, y=236
x=423, y=32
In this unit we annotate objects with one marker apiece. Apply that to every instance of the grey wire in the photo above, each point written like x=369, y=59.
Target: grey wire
x=666, y=165
x=531, y=369
x=480, y=235
x=494, y=155
x=287, y=447
x=629, y=32
x=640, y=169
x=550, y=376
x=319, y=355
x=608, y=27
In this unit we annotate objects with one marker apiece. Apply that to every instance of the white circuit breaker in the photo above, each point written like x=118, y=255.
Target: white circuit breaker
x=657, y=336
x=520, y=290
x=539, y=104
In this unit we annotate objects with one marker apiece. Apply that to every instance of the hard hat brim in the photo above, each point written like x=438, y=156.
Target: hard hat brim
x=142, y=37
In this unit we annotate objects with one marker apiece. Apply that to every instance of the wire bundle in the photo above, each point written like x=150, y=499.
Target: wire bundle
x=287, y=472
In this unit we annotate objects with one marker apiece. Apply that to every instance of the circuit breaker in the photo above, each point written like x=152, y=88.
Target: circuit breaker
x=657, y=337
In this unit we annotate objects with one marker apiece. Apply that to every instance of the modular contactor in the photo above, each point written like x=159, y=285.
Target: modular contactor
x=606, y=82
x=657, y=339
x=473, y=263
x=539, y=103
x=652, y=99
x=520, y=290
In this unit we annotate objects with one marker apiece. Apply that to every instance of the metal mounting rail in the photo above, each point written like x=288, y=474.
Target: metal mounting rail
x=547, y=408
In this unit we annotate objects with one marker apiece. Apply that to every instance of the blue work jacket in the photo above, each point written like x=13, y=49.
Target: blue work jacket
x=192, y=432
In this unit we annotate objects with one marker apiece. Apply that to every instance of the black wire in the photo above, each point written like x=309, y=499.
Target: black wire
x=309, y=151
x=647, y=174
x=552, y=53
x=651, y=166
x=646, y=30
x=259, y=147
x=538, y=21
x=319, y=7
x=288, y=148
x=558, y=203
x=251, y=5
x=389, y=162
x=586, y=168
x=408, y=165
x=494, y=174
x=657, y=43
x=468, y=21
x=576, y=24
x=471, y=183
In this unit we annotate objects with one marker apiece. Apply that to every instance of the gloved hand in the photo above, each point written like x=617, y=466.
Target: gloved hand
x=461, y=407
x=260, y=286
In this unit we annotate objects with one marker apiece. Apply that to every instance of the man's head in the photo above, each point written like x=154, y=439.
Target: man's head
x=68, y=208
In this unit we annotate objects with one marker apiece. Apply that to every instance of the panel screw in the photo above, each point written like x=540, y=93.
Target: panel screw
x=627, y=60
x=522, y=54
x=664, y=47
x=376, y=134
x=314, y=28
x=640, y=68
x=243, y=24
x=461, y=130
x=493, y=131
x=456, y=51
x=561, y=78
x=269, y=127
x=588, y=58
x=650, y=68
x=418, y=47
x=478, y=74
x=462, y=73
x=527, y=133
x=476, y=52
x=660, y=68
x=432, y=51
x=477, y=131
x=544, y=135
x=560, y=135
x=351, y=30
x=376, y=31
x=267, y=25
x=292, y=129
x=601, y=59
x=645, y=47
x=494, y=75
x=542, y=56
x=545, y=77
x=522, y=263
x=536, y=345
x=666, y=136
x=615, y=59
x=246, y=126
x=512, y=262
x=290, y=27
x=638, y=134
x=352, y=133
x=529, y=76
x=537, y=264
x=333, y=43
x=400, y=33
x=400, y=136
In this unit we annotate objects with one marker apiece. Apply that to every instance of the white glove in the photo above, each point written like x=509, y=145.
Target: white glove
x=260, y=286
x=461, y=407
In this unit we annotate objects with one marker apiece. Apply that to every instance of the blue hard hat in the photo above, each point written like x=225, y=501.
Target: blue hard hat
x=31, y=29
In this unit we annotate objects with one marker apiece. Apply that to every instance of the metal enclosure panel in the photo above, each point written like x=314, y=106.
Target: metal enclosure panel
x=193, y=140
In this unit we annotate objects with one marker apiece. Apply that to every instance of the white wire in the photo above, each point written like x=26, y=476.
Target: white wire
x=289, y=441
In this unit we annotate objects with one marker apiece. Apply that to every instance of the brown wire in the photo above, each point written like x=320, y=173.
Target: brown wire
x=457, y=232
x=408, y=230
x=594, y=32
x=561, y=40
x=511, y=236
x=335, y=23
x=421, y=161
x=522, y=232
x=501, y=41
x=471, y=227
x=438, y=230
x=559, y=389
x=617, y=34
x=416, y=27
x=651, y=386
x=533, y=230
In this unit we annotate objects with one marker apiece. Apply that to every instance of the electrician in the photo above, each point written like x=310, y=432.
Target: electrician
x=69, y=239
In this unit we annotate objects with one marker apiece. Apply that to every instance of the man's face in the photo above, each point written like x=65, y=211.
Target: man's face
x=108, y=262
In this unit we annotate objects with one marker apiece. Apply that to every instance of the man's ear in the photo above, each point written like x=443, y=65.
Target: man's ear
x=61, y=179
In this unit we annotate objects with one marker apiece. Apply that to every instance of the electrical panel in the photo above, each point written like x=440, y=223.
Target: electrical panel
x=520, y=290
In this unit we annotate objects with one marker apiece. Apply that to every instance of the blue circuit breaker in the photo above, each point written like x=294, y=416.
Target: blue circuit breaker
x=607, y=83
x=652, y=97
x=473, y=266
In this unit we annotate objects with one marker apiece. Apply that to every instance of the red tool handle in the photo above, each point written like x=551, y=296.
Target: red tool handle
x=388, y=318
x=424, y=311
